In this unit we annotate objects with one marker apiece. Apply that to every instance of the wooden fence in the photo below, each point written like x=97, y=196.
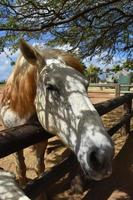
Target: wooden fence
x=15, y=139
x=118, y=88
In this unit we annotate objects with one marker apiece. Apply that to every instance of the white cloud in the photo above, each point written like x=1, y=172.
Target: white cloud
x=5, y=66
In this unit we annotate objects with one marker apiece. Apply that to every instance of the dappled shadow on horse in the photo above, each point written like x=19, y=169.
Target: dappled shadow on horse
x=50, y=83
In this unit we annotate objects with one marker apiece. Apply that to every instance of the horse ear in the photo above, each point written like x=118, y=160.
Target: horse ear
x=30, y=53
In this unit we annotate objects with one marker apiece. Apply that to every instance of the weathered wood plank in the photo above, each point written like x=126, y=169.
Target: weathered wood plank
x=124, y=120
x=39, y=185
x=127, y=109
x=15, y=139
x=109, y=105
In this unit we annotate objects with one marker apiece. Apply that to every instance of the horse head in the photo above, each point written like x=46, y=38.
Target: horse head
x=63, y=108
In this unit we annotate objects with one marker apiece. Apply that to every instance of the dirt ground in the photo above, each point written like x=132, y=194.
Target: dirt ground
x=118, y=187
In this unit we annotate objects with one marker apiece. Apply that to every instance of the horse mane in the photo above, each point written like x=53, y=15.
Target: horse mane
x=20, y=90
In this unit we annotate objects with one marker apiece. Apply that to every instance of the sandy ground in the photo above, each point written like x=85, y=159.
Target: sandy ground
x=118, y=187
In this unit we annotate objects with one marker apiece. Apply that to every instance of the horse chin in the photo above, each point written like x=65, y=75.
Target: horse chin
x=93, y=175
x=98, y=177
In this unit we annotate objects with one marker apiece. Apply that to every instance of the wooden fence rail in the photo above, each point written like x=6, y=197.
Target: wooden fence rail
x=17, y=138
x=12, y=140
x=109, y=105
x=37, y=186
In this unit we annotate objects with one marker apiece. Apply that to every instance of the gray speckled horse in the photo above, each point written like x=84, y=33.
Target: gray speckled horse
x=51, y=84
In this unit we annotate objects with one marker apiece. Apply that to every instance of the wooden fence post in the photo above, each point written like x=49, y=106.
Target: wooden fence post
x=127, y=108
x=117, y=90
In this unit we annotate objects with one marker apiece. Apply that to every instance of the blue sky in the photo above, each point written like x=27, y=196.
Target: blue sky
x=6, y=68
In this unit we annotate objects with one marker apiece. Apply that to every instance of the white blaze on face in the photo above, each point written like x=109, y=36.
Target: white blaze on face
x=88, y=120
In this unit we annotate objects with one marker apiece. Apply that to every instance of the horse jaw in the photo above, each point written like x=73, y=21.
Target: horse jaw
x=71, y=115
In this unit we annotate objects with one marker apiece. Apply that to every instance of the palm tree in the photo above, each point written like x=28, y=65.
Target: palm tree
x=93, y=73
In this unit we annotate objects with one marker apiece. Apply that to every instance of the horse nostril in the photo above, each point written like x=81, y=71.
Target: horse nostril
x=96, y=161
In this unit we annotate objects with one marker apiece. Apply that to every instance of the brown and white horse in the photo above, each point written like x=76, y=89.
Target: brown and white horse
x=51, y=84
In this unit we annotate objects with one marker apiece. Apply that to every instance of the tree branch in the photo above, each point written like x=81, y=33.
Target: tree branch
x=128, y=47
x=56, y=23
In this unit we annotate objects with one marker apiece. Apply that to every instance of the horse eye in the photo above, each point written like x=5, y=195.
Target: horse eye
x=51, y=87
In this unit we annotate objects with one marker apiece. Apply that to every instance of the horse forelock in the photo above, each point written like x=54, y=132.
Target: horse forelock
x=20, y=90
x=67, y=58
